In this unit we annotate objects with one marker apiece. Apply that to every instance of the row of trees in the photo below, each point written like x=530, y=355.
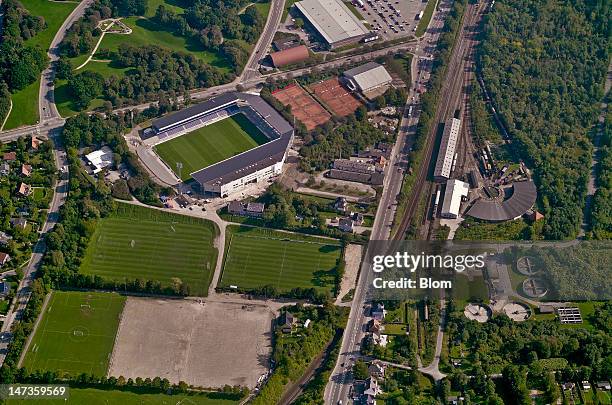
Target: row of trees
x=293, y=354
x=20, y=64
x=544, y=65
x=601, y=216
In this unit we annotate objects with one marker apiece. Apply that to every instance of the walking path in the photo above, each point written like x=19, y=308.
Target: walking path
x=126, y=31
x=7, y=114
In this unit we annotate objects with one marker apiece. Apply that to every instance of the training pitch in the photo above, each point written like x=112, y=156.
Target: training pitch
x=257, y=257
x=210, y=144
x=76, y=333
x=147, y=244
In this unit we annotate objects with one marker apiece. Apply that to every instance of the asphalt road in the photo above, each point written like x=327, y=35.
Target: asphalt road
x=339, y=386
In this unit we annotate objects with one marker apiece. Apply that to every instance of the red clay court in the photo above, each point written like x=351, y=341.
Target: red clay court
x=303, y=107
x=341, y=101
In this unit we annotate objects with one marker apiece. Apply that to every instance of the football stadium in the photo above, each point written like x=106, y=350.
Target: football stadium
x=224, y=143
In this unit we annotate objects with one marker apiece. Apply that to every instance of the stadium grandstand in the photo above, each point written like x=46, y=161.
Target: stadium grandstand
x=253, y=165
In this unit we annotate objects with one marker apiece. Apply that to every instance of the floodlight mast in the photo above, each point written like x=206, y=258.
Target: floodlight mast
x=179, y=166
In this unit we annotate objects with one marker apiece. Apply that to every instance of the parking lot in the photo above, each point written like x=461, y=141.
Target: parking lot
x=391, y=18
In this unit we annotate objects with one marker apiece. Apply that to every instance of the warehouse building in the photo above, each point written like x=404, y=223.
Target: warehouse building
x=446, y=153
x=289, y=56
x=455, y=191
x=370, y=79
x=333, y=21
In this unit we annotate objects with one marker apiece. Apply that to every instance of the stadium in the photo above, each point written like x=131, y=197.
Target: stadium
x=225, y=143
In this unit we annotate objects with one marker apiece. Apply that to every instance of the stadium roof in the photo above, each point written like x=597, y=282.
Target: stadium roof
x=522, y=199
x=369, y=76
x=332, y=19
x=189, y=113
x=245, y=163
x=255, y=159
x=290, y=55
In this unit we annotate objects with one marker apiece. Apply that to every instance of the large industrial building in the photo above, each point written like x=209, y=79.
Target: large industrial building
x=455, y=191
x=368, y=79
x=446, y=153
x=251, y=166
x=512, y=204
x=333, y=21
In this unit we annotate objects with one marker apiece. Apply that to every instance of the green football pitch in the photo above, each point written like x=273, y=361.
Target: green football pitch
x=210, y=144
x=76, y=333
x=257, y=257
x=147, y=244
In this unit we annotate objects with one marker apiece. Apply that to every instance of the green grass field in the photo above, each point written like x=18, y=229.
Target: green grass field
x=92, y=396
x=139, y=242
x=210, y=144
x=256, y=257
x=76, y=333
x=25, y=102
x=424, y=22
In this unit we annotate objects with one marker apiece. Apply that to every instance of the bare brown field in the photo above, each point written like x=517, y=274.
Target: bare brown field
x=206, y=344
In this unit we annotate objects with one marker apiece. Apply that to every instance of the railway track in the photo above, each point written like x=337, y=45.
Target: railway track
x=455, y=82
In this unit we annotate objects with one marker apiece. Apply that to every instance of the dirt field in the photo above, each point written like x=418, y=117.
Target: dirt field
x=340, y=100
x=205, y=344
x=303, y=106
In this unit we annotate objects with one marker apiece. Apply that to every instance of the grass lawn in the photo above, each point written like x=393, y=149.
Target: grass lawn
x=92, y=396
x=25, y=107
x=25, y=102
x=146, y=32
x=210, y=144
x=139, y=242
x=76, y=333
x=258, y=257
x=428, y=12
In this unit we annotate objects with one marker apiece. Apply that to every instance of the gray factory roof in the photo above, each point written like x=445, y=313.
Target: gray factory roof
x=332, y=19
x=448, y=144
x=245, y=163
x=523, y=197
x=369, y=76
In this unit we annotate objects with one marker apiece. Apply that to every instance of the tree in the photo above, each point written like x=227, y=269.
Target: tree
x=85, y=87
x=360, y=370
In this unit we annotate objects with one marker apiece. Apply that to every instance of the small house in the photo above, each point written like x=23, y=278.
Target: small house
x=4, y=258
x=34, y=143
x=5, y=169
x=9, y=157
x=585, y=385
x=4, y=239
x=376, y=369
x=341, y=204
x=358, y=218
x=5, y=289
x=24, y=190
x=374, y=326
x=255, y=209
x=346, y=225
x=18, y=223
x=286, y=322
x=26, y=170
x=603, y=385
x=378, y=312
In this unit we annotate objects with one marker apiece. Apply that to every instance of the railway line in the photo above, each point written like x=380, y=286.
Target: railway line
x=450, y=99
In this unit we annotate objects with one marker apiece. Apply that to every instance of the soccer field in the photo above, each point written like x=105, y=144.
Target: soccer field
x=257, y=257
x=76, y=333
x=210, y=144
x=138, y=242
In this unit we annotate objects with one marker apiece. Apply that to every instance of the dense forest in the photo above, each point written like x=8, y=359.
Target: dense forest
x=544, y=64
x=20, y=65
x=601, y=217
